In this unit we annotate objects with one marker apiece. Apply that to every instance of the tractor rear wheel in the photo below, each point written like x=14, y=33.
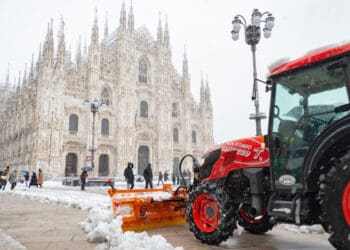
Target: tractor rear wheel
x=256, y=224
x=210, y=214
x=335, y=202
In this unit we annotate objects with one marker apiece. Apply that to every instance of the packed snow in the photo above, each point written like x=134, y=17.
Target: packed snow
x=101, y=226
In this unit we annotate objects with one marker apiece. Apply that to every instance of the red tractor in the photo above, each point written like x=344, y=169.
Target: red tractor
x=298, y=173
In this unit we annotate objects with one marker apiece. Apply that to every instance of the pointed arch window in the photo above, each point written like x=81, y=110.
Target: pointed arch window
x=144, y=109
x=73, y=123
x=105, y=126
x=194, y=137
x=175, y=135
x=174, y=110
x=142, y=71
x=105, y=97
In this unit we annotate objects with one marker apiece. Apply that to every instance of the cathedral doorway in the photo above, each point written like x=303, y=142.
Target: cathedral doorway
x=103, y=165
x=71, y=165
x=143, y=159
x=176, y=162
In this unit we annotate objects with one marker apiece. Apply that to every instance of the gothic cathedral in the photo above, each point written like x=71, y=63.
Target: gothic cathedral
x=148, y=112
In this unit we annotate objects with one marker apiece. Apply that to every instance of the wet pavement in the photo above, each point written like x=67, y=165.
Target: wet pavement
x=39, y=226
x=276, y=239
x=47, y=226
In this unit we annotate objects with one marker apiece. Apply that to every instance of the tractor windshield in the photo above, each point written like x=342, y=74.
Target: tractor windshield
x=303, y=106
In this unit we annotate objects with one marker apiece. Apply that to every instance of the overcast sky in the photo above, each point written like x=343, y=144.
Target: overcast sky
x=203, y=26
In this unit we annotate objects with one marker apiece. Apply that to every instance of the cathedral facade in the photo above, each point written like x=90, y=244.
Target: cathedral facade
x=147, y=112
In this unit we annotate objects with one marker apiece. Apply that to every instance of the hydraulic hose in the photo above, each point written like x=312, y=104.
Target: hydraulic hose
x=195, y=163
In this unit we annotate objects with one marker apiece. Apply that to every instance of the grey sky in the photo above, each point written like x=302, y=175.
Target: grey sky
x=203, y=26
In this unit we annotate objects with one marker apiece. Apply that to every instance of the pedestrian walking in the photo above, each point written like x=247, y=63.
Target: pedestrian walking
x=83, y=178
x=40, y=178
x=13, y=179
x=26, y=178
x=129, y=175
x=173, y=178
x=148, y=175
x=160, y=178
x=4, y=177
x=33, y=180
x=166, y=175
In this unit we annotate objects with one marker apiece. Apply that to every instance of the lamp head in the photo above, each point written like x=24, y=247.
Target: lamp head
x=256, y=17
x=270, y=21
x=236, y=23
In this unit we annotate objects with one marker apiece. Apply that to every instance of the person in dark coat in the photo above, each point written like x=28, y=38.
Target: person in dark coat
x=148, y=175
x=33, y=180
x=83, y=177
x=26, y=178
x=160, y=178
x=129, y=176
x=166, y=175
x=4, y=177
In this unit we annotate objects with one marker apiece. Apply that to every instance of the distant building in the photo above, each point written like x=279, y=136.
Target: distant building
x=150, y=116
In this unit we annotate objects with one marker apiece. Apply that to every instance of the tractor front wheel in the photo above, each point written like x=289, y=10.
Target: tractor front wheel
x=335, y=202
x=210, y=214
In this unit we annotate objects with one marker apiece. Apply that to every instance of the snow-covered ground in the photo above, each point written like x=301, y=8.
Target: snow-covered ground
x=100, y=226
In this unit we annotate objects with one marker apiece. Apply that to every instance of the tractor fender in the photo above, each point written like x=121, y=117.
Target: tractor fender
x=333, y=141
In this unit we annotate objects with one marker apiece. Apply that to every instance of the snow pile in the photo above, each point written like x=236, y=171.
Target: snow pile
x=9, y=242
x=100, y=225
x=314, y=229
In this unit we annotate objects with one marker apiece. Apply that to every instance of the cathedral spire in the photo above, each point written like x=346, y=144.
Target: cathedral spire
x=207, y=94
x=131, y=20
x=160, y=30
x=7, y=79
x=61, y=50
x=94, y=32
x=122, y=19
x=24, y=82
x=31, y=71
x=166, y=33
x=78, y=54
x=202, y=91
x=48, y=48
x=185, y=64
x=85, y=48
x=106, y=26
x=18, y=83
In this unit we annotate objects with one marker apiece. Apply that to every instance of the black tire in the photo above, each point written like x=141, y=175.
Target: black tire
x=255, y=224
x=217, y=222
x=334, y=189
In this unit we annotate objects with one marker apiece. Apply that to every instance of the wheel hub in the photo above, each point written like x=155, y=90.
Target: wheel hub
x=205, y=212
x=346, y=203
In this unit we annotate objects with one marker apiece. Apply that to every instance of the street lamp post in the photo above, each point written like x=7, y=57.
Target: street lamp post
x=252, y=37
x=93, y=104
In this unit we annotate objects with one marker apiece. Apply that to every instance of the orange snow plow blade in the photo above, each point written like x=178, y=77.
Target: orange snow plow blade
x=149, y=208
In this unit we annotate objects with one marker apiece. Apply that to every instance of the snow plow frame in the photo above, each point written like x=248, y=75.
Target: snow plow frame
x=140, y=211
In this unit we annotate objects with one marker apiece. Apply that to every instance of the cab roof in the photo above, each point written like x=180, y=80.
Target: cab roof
x=312, y=57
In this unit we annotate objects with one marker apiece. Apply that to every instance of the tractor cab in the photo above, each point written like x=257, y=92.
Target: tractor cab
x=304, y=103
